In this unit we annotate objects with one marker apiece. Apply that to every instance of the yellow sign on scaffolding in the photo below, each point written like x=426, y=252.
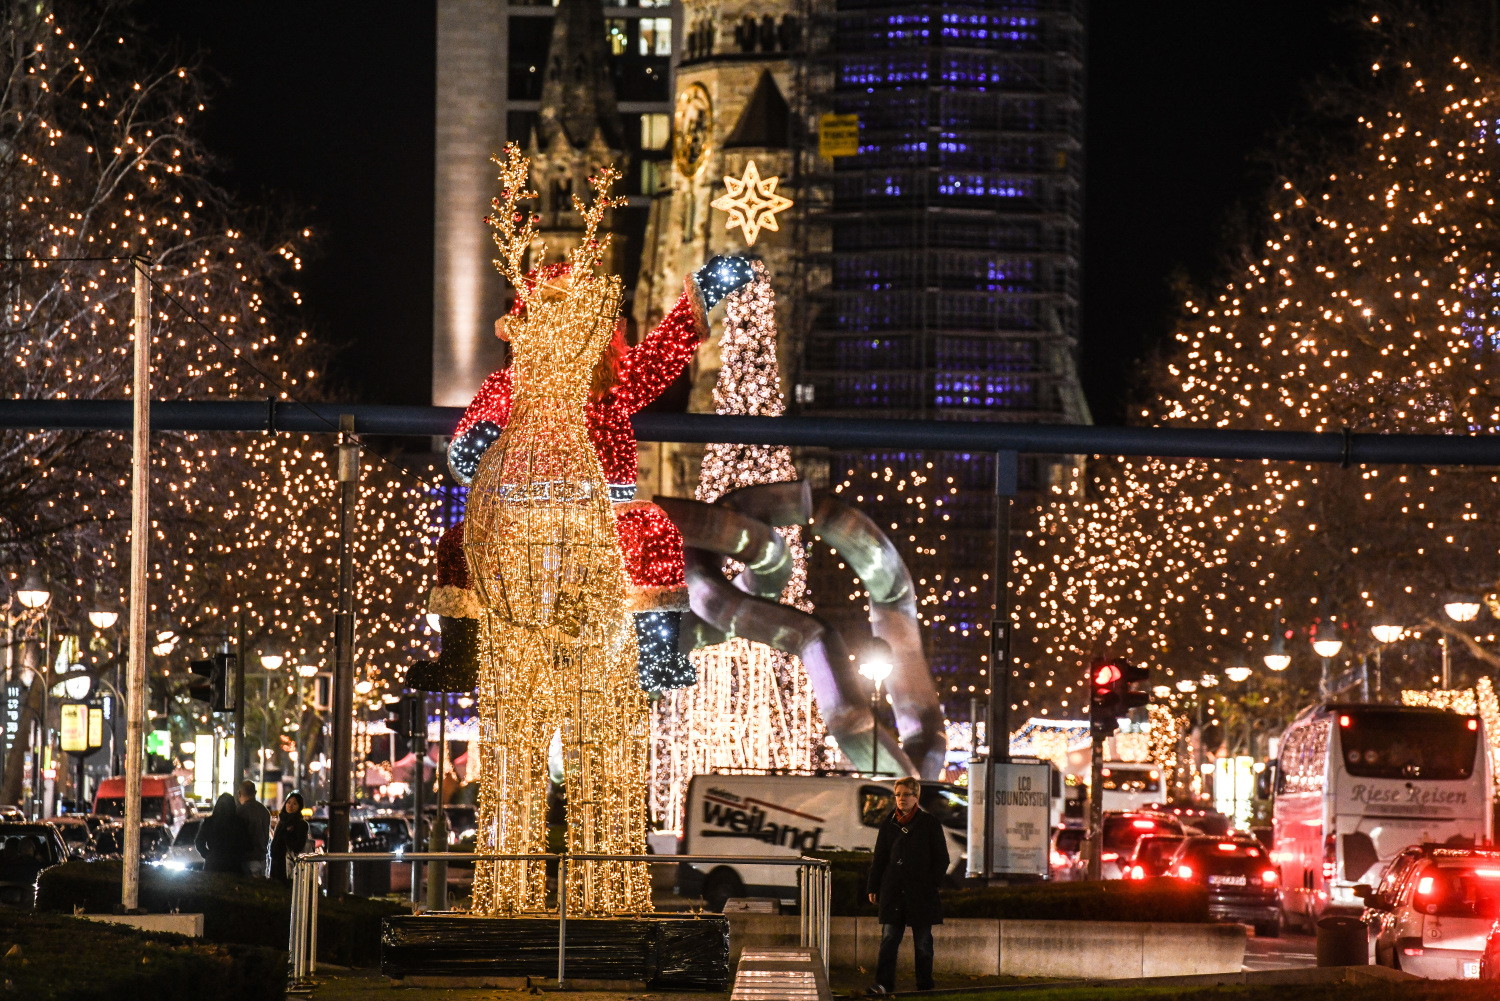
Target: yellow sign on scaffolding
x=838, y=135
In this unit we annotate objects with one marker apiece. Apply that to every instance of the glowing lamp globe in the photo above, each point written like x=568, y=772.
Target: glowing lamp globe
x=307, y=670
x=1387, y=634
x=877, y=662
x=1186, y=687
x=165, y=643
x=33, y=592
x=1161, y=691
x=1462, y=609
x=1237, y=674
x=272, y=661
x=102, y=619
x=1277, y=661
x=1327, y=648
x=364, y=687
x=434, y=621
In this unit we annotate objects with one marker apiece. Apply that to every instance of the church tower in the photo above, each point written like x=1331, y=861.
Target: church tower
x=578, y=130
x=741, y=72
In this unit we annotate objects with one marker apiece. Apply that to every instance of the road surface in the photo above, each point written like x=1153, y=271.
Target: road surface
x=1292, y=950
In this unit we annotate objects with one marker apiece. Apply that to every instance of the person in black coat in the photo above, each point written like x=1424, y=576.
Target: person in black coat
x=911, y=860
x=223, y=838
x=290, y=839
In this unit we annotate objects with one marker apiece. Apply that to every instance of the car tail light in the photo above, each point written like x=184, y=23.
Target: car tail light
x=1226, y=846
x=1143, y=825
x=1269, y=877
x=1330, y=859
x=1410, y=951
x=1184, y=872
x=1136, y=872
x=1473, y=724
x=1109, y=856
x=1424, y=886
x=1058, y=858
x=1344, y=721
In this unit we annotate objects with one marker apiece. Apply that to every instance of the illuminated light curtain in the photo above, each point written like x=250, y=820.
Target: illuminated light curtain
x=753, y=706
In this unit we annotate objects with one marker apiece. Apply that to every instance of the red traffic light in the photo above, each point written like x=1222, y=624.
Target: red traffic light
x=1105, y=675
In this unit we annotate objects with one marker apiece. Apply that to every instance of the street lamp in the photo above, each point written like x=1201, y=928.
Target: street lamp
x=1384, y=634
x=1462, y=609
x=101, y=618
x=1237, y=674
x=877, y=667
x=1278, y=659
x=33, y=592
x=1326, y=644
x=166, y=642
x=272, y=661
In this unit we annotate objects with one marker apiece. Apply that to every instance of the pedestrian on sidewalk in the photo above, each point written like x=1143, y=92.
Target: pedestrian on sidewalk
x=290, y=839
x=911, y=861
x=258, y=826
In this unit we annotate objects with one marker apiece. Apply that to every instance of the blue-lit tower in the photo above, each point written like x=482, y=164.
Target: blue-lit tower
x=952, y=277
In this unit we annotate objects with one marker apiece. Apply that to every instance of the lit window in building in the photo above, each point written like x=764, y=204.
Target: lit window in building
x=615, y=30
x=656, y=129
x=656, y=36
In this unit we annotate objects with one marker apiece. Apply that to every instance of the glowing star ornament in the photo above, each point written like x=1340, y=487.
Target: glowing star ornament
x=752, y=203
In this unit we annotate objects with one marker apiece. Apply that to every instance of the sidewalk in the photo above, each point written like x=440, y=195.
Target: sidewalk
x=349, y=985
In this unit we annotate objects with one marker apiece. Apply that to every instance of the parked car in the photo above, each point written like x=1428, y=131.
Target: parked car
x=1123, y=830
x=26, y=851
x=393, y=830
x=183, y=854
x=77, y=835
x=1065, y=861
x=361, y=838
x=1243, y=885
x=1434, y=912
x=156, y=840
x=12, y=814
x=1153, y=853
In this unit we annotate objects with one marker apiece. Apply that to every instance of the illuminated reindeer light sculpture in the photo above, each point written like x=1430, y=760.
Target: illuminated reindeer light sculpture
x=558, y=648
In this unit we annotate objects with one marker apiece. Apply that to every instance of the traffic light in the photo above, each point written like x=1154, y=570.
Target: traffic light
x=212, y=682
x=405, y=717
x=1129, y=698
x=1104, y=697
x=226, y=666
x=201, y=686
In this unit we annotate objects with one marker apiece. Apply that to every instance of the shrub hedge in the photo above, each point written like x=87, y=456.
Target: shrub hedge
x=46, y=957
x=1168, y=900
x=236, y=909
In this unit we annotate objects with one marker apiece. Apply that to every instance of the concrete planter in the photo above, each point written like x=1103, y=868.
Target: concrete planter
x=190, y=925
x=987, y=947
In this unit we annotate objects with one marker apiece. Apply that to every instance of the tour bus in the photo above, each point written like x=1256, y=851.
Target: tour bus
x=1357, y=783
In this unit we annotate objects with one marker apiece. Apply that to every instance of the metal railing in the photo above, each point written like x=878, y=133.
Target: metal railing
x=814, y=892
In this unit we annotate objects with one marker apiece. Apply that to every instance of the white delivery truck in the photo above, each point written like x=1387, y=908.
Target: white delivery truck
x=789, y=815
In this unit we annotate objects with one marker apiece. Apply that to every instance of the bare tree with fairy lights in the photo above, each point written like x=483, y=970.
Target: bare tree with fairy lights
x=1370, y=303
x=101, y=162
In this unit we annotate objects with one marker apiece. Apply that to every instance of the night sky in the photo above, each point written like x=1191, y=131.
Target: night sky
x=328, y=107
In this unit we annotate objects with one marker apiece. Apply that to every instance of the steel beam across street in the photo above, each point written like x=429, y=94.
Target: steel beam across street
x=825, y=432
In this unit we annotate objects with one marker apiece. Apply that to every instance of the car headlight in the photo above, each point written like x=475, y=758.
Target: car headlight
x=173, y=864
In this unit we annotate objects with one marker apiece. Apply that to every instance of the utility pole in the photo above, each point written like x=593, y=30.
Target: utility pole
x=997, y=709
x=241, y=751
x=343, y=662
x=140, y=527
